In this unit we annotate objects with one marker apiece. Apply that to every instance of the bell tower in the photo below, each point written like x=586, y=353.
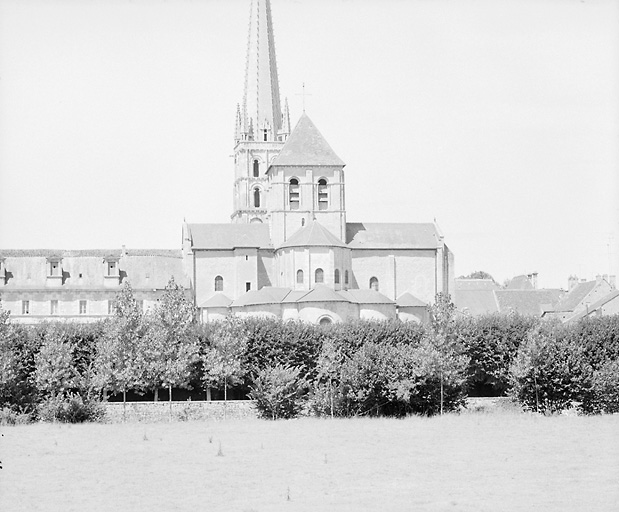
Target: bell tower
x=262, y=126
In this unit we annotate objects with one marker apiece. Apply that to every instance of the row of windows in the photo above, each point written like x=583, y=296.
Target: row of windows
x=82, y=307
x=319, y=277
x=294, y=195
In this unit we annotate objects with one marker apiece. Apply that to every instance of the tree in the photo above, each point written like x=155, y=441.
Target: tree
x=116, y=361
x=223, y=356
x=169, y=347
x=478, y=274
x=450, y=361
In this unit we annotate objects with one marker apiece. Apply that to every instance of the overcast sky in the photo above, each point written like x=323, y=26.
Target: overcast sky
x=499, y=118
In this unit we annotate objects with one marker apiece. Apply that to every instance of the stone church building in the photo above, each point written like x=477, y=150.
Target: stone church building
x=289, y=251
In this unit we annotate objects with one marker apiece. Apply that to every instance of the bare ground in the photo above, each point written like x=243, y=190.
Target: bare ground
x=470, y=462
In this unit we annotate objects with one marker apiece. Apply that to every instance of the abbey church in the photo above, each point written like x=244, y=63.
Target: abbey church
x=289, y=251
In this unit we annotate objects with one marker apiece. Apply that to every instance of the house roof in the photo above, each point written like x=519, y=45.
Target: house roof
x=526, y=302
x=322, y=293
x=229, y=236
x=521, y=282
x=266, y=295
x=218, y=300
x=306, y=146
x=575, y=296
x=595, y=306
x=361, y=235
x=365, y=297
x=313, y=235
x=408, y=300
x=476, y=284
x=476, y=302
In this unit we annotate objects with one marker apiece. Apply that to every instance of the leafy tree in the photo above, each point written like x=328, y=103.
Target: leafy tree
x=223, y=356
x=550, y=370
x=279, y=392
x=117, y=347
x=169, y=347
x=478, y=274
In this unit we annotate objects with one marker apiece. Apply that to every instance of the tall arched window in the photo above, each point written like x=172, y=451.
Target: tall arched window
x=345, y=277
x=256, y=197
x=256, y=168
x=323, y=194
x=293, y=194
x=374, y=284
x=219, y=284
x=319, y=276
x=336, y=277
x=299, y=276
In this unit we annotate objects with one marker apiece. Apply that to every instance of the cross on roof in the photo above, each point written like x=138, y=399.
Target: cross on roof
x=303, y=94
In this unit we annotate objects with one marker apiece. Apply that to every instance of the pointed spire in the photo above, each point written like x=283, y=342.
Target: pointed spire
x=285, y=131
x=261, y=108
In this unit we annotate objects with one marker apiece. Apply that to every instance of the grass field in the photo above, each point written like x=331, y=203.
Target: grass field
x=471, y=462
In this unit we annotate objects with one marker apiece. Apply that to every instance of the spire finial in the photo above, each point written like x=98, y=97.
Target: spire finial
x=303, y=94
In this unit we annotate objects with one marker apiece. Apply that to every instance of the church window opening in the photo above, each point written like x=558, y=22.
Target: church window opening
x=53, y=307
x=319, y=276
x=247, y=287
x=346, y=277
x=374, y=284
x=256, y=169
x=82, y=307
x=325, y=320
x=299, y=276
x=256, y=197
x=323, y=195
x=25, y=307
x=293, y=194
x=336, y=277
x=219, y=284
x=265, y=135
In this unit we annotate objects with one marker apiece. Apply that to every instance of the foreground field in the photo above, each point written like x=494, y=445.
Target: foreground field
x=472, y=462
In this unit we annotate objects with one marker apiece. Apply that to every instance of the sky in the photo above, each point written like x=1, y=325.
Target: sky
x=497, y=118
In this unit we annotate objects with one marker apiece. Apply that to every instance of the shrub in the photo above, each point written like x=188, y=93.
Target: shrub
x=9, y=416
x=550, y=371
x=603, y=395
x=279, y=392
x=71, y=408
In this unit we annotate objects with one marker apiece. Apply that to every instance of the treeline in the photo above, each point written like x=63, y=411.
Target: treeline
x=64, y=371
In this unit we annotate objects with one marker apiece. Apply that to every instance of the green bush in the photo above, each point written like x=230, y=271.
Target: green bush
x=279, y=392
x=71, y=408
x=9, y=416
x=603, y=395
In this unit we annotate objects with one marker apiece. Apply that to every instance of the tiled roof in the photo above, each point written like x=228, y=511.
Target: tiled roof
x=476, y=302
x=520, y=283
x=595, y=306
x=365, y=297
x=99, y=253
x=407, y=300
x=526, y=302
x=229, y=236
x=391, y=236
x=266, y=295
x=218, y=300
x=571, y=301
x=313, y=235
x=322, y=293
x=307, y=146
x=476, y=284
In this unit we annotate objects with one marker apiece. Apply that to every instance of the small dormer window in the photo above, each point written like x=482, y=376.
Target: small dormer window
x=54, y=268
x=112, y=268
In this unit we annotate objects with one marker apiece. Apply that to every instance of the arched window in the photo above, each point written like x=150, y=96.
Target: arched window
x=374, y=284
x=256, y=168
x=219, y=284
x=319, y=276
x=299, y=276
x=346, y=277
x=325, y=320
x=323, y=194
x=336, y=277
x=256, y=197
x=293, y=194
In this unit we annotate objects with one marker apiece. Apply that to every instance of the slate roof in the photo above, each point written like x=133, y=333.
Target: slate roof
x=365, y=297
x=307, y=146
x=476, y=284
x=266, y=295
x=408, y=300
x=526, y=302
x=476, y=302
x=98, y=253
x=521, y=282
x=218, y=300
x=575, y=296
x=229, y=236
x=362, y=235
x=321, y=293
x=313, y=235
x=595, y=306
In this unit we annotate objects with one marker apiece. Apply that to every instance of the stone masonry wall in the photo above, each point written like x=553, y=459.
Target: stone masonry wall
x=179, y=411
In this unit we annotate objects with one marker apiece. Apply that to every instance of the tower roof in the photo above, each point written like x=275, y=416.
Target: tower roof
x=307, y=146
x=313, y=235
x=261, y=108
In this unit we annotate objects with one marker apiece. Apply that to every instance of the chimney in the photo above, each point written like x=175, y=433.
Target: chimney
x=572, y=282
x=612, y=281
x=534, y=280
x=123, y=251
x=598, y=279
